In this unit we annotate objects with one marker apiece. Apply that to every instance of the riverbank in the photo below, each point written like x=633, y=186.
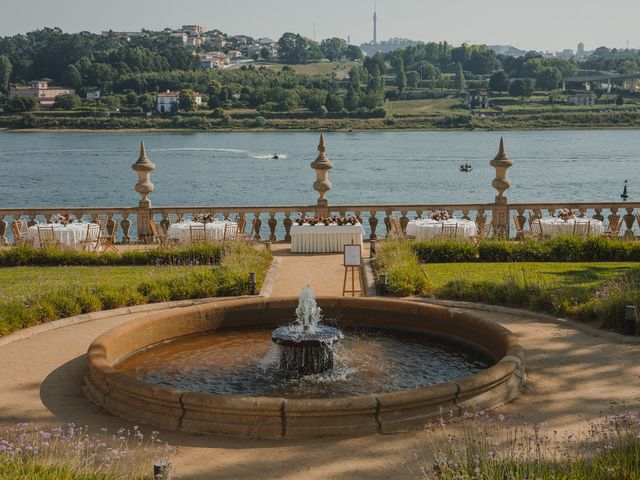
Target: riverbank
x=48, y=121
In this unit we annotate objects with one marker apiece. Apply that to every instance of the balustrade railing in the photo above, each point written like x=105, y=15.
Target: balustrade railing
x=274, y=222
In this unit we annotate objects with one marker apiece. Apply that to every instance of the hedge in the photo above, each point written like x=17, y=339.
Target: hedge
x=209, y=254
x=560, y=249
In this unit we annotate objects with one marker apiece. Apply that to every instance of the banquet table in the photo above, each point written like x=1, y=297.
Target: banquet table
x=180, y=232
x=428, y=229
x=69, y=236
x=556, y=227
x=322, y=238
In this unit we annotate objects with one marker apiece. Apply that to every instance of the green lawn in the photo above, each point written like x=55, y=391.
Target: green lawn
x=21, y=281
x=441, y=106
x=552, y=274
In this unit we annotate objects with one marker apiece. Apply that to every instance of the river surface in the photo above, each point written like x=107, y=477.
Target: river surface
x=47, y=169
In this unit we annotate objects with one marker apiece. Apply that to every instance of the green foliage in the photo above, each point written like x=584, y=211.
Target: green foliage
x=619, y=100
x=460, y=82
x=6, y=67
x=445, y=251
x=521, y=87
x=187, y=100
x=404, y=274
x=208, y=254
x=548, y=78
x=66, y=101
x=354, y=53
x=333, y=48
x=229, y=276
x=21, y=103
x=499, y=82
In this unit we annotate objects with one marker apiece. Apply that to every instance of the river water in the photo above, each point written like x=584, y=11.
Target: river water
x=46, y=169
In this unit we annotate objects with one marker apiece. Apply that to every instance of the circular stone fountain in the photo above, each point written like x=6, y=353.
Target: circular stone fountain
x=306, y=346
x=390, y=366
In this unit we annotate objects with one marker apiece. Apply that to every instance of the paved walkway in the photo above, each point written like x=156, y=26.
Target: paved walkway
x=323, y=272
x=572, y=377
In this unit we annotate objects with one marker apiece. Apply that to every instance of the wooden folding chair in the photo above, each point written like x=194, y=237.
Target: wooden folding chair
x=19, y=237
x=159, y=235
x=47, y=237
x=107, y=239
x=253, y=233
x=536, y=228
x=448, y=231
x=91, y=241
x=230, y=232
x=197, y=234
x=521, y=233
x=483, y=233
x=582, y=229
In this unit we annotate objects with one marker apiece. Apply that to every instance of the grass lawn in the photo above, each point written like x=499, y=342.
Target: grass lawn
x=551, y=274
x=341, y=69
x=20, y=281
x=423, y=107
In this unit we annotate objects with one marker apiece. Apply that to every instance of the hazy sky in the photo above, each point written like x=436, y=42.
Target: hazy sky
x=540, y=24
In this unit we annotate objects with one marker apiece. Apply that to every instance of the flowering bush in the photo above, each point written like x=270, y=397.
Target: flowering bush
x=492, y=446
x=127, y=454
x=440, y=215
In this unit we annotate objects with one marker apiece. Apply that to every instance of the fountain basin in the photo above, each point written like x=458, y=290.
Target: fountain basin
x=275, y=417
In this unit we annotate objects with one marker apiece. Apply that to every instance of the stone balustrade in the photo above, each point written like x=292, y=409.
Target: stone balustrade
x=274, y=222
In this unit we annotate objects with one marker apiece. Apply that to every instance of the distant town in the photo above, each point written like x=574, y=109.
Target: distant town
x=198, y=77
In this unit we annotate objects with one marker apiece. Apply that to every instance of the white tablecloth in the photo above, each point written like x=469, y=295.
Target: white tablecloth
x=69, y=235
x=430, y=229
x=180, y=232
x=556, y=227
x=324, y=238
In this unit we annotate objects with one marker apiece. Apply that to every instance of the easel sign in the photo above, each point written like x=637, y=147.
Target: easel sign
x=352, y=263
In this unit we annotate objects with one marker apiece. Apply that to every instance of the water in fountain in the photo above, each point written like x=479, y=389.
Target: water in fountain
x=306, y=347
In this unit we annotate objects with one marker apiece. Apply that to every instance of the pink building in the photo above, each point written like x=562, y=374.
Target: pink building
x=41, y=91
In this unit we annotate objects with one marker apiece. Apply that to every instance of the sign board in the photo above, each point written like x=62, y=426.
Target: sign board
x=352, y=255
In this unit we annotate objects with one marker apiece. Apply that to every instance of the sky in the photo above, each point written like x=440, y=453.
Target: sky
x=530, y=25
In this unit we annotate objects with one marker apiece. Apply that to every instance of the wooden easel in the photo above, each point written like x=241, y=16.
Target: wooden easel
x=353, y=264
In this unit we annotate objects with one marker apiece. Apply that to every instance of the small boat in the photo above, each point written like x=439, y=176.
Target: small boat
x=466, y=168
x=275, y=156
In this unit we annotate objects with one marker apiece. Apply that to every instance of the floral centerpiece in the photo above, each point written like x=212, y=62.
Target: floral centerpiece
x=204, y=218
x=63, y=219
x=566, y=214
x=440, y=215
x=336, y=219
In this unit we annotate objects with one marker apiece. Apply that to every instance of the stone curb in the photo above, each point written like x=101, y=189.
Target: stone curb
x=270, y=279
x=102, y=314
x=588, y=329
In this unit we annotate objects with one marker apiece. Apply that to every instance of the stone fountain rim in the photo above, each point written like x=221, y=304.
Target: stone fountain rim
x=136, y=400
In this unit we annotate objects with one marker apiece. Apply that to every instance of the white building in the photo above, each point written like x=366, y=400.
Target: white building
x=193, y=30
x=213, y=60
x=166, y=100
x=94, y=95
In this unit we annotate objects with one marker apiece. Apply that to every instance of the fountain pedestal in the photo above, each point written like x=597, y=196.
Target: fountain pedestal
x=306, y=352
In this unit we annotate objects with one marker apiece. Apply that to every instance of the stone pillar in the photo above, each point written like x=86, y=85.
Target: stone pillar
x=143, y=167
x=501, y=208
x=322, y=185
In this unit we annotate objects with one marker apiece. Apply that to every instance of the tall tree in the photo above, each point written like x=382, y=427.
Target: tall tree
x=293, y=48
x=354, y=53
x=72, y=77
x=5, y=72
x=460, y=82
x=499, y=82
x=187, y=100
x=333, y=48
x=548, y=78
x=521, y=87
x=401, y=77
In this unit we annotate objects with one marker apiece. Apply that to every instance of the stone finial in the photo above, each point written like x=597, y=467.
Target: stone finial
x=143, y=167
x=501, y=163
x=322, y=165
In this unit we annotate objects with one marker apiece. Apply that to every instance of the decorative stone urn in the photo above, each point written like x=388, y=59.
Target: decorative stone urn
x=143, y=167
x=322, y=185
x=501, y=183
